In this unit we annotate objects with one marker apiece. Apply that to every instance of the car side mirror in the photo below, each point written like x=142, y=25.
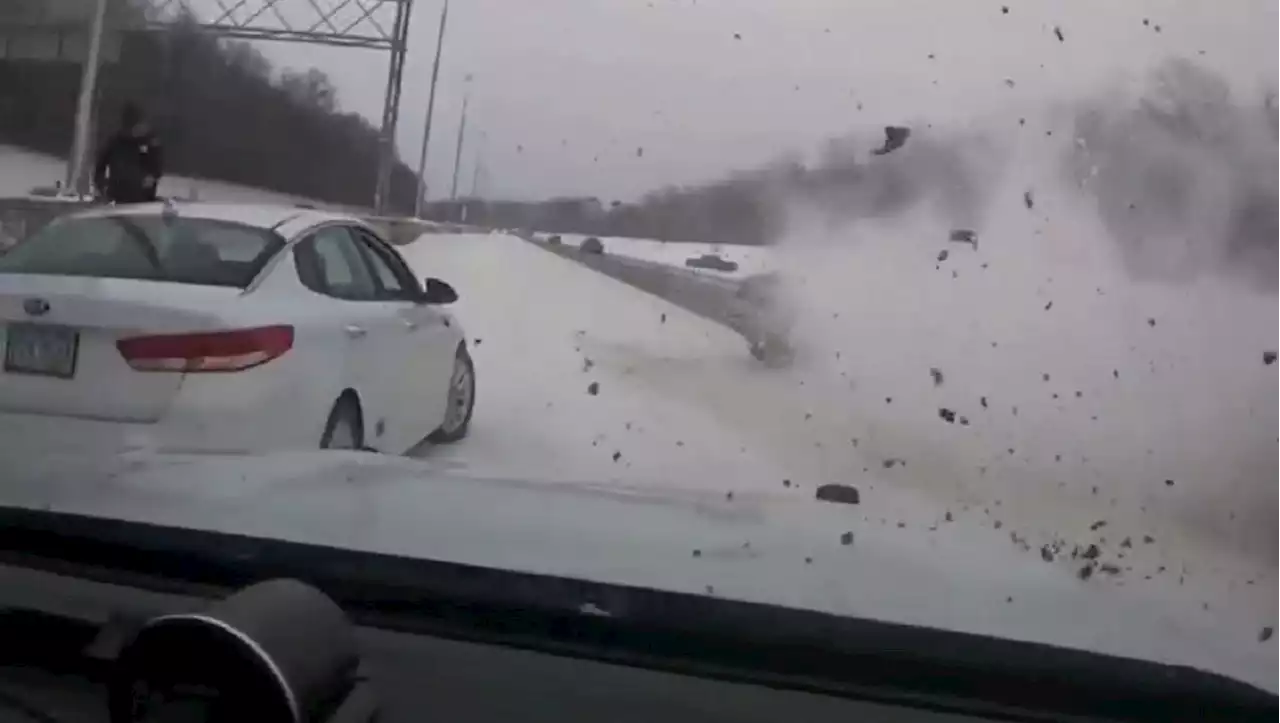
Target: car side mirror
x=435, y=291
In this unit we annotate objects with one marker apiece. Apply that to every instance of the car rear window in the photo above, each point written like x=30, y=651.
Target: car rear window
x=152, y=248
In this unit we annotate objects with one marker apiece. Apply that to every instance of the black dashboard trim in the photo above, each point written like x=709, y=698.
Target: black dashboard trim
x=697, y=635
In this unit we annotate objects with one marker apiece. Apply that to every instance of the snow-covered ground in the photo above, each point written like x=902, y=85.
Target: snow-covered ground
x=679, y=403
x=22, y=170
x=1086, y=408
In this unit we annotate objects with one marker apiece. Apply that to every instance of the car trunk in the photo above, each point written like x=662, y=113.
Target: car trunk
x=58, y=335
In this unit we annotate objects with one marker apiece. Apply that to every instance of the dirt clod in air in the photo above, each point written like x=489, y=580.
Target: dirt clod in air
x=947, y=415
x=477, y=341
x=964, y=236
x=1057, y=31
x=593, y=388
x=1091, y=552
x=728, y=495
x=1048, y=306
x=1126, y=542
x=936, y=373
x=1151, y=322
x=1085, y=572
x=1268, y=358
x=1168, y=483
x=846, y=538
x=786, y=483
x=1265, y=634
x=617, y=456
x=844, y=494
x=895, y=137
x=1098, y=525
x=1046, y=553
x=1109, y=569
x=808, y=561
x=587, y=364
x=1028, y=200
x=697, y=553
x=893, y=462
x=948, y=516
x=662, y=319
x=1148, y=539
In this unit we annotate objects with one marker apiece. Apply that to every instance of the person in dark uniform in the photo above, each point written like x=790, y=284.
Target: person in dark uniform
x=130, y=165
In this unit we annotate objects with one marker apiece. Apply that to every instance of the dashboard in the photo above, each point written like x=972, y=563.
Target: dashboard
x=421, y=679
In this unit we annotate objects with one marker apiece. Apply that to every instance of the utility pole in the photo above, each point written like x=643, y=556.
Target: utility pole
x=420, y=198
x=84, y=104
x=478, y=169
x=462, y=132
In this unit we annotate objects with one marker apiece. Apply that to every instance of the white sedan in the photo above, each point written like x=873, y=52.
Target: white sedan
x=203, y=327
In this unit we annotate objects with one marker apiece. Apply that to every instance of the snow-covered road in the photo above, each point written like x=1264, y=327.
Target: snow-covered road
x=1089, y=410
x=679, y=403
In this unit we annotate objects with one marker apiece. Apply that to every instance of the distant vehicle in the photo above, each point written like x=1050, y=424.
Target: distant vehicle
x=591, y=245
x=711, y=262
x=229, y=328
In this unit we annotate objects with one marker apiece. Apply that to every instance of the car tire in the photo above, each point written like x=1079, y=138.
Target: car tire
x=462, y=401
x=345, y=426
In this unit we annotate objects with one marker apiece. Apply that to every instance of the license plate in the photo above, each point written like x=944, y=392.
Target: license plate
x=40, y=349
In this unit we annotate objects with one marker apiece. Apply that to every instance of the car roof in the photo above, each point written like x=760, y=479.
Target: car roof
x=264, y=216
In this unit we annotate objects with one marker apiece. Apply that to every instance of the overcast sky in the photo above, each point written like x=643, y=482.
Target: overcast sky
x=566, y=91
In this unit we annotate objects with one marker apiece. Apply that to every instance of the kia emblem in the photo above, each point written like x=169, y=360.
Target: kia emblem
x=35, y=306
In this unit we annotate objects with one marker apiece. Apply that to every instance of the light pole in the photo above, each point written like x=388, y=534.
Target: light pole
x=420, y=198
x=84, y=104
x=462, y=133
x=478, y=169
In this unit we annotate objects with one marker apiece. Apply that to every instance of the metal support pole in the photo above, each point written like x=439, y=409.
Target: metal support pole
x=421, y=196
x=457, y=158
x=391, y=106
x=84, y=104
x=478, y=168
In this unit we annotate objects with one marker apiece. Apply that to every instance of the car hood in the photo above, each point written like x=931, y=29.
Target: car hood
x=789, y=551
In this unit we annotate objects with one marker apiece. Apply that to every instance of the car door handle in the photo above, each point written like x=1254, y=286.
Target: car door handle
x=355, y=332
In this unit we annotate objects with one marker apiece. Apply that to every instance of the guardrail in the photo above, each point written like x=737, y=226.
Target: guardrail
x=713, y=298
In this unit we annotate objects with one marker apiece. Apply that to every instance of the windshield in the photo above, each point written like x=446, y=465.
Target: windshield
x=957, y=314
x=152, y=248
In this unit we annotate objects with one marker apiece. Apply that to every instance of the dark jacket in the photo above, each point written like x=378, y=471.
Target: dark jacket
x=123, y=164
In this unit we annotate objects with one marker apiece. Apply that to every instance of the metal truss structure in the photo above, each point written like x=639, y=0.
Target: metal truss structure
x=371, y=24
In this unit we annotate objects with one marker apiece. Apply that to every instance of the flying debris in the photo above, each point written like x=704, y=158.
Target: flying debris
x=895, y=137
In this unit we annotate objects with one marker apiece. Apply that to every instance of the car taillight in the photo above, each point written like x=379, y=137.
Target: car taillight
x=214, y=351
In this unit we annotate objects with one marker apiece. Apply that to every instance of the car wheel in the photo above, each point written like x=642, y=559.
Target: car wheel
x=345, y=428
x=462, y=401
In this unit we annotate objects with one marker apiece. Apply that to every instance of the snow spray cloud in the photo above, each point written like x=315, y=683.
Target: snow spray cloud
x=950, y=175
x=1183, y=177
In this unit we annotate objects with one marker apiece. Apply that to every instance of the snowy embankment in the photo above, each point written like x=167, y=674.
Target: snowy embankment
x=22, y=170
